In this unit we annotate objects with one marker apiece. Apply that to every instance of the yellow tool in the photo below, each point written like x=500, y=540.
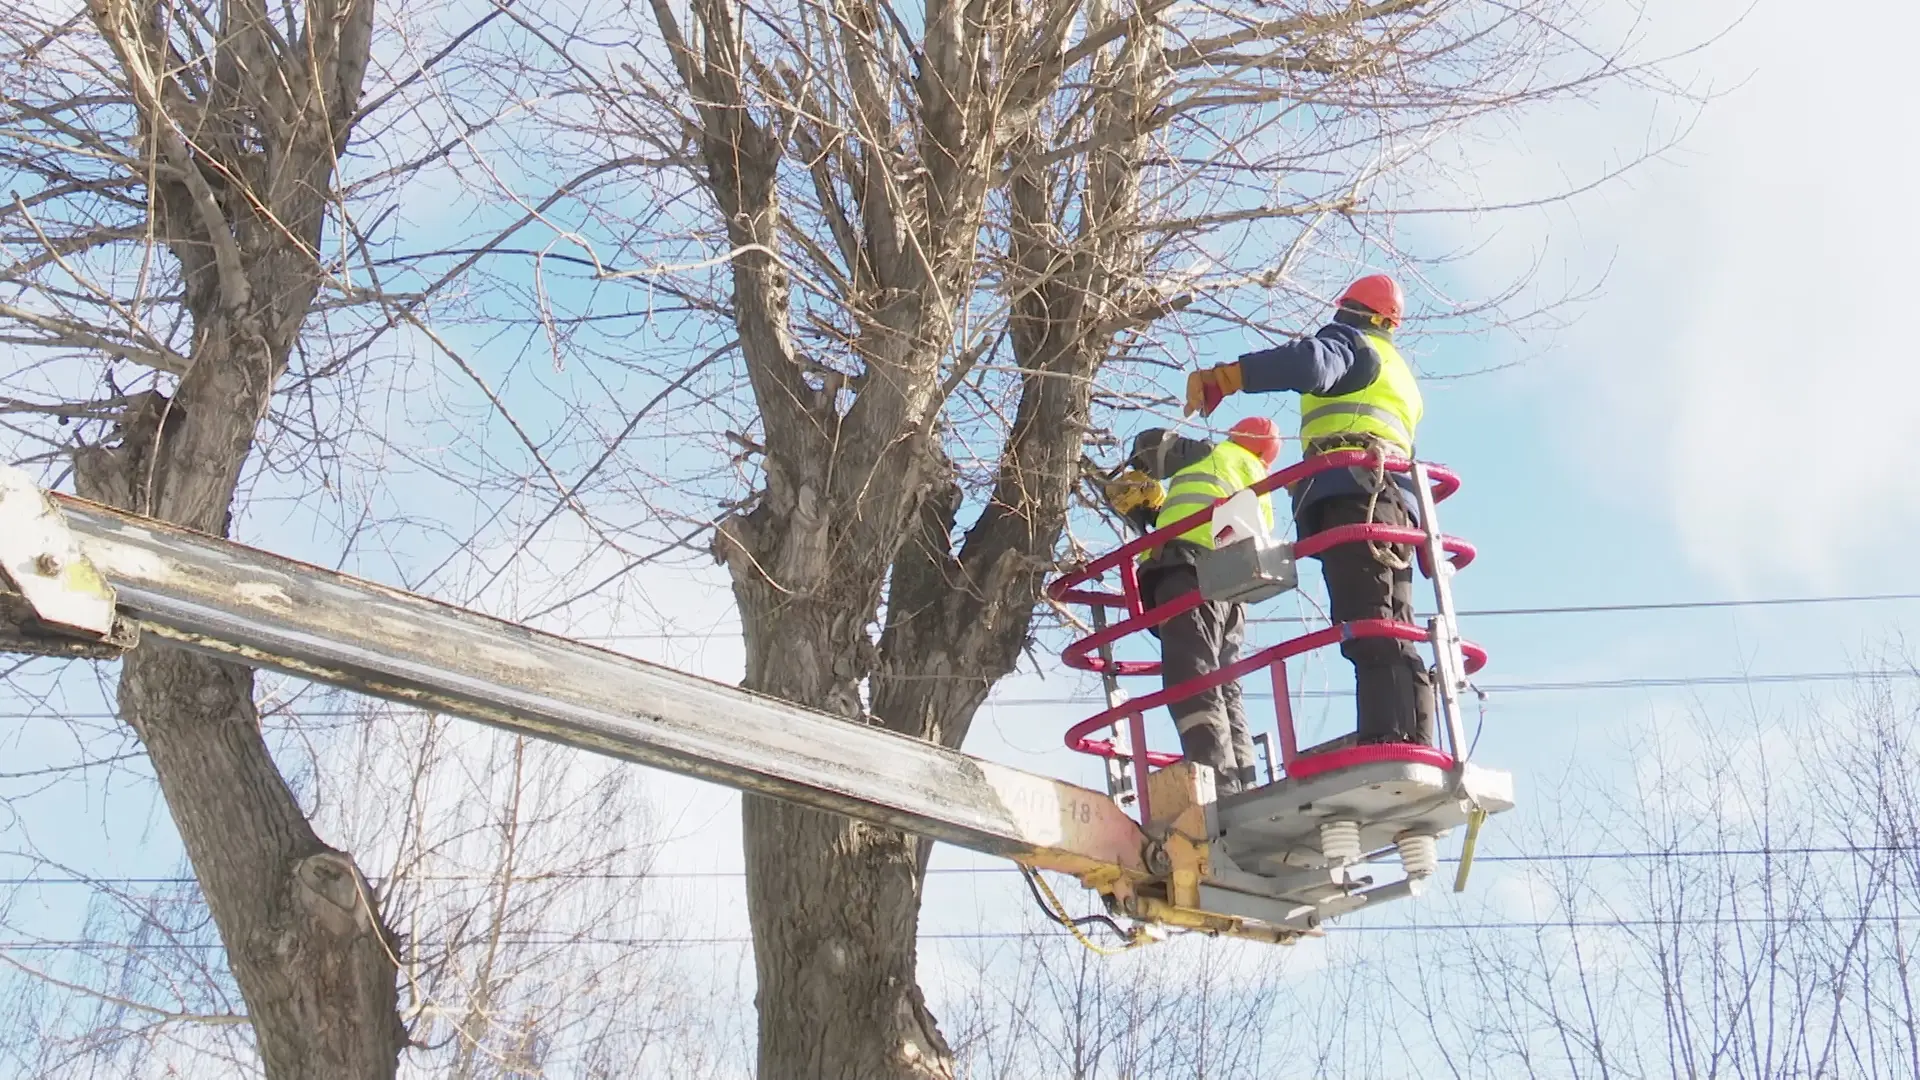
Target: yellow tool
x=1475, y=818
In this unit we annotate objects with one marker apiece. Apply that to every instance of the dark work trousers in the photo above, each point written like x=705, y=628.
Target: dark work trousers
x=1393, y=689
x=1212, y=723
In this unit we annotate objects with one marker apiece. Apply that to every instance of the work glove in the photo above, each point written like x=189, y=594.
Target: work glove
x=1207, y=387
x=1135, y=490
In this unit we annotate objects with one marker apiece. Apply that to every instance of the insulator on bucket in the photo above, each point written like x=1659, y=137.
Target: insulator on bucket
x=1340, y=841
x=1419, y=855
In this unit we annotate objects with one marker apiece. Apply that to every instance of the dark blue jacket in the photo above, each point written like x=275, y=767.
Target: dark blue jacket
x=1336, y=360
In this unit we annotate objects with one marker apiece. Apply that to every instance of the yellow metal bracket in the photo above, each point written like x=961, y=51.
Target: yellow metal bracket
x=1176, y=859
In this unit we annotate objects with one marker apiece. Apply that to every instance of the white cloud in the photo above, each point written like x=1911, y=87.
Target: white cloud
x=1746, y=372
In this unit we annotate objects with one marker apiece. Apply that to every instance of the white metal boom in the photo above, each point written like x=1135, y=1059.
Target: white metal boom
x=82, y=579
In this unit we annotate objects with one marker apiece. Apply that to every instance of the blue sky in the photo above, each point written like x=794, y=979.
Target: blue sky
x=1728, y=417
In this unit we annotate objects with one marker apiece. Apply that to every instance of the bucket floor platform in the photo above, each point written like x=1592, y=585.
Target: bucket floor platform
x=1268, y=856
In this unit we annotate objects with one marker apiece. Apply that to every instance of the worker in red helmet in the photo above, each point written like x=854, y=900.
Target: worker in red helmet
x=1356, y=392
x=1196, y=474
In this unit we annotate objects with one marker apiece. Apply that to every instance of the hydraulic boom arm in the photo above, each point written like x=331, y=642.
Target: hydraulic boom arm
x=79, y=579
x=211, y=595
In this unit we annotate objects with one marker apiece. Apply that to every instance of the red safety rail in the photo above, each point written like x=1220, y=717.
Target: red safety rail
x=1074, y=588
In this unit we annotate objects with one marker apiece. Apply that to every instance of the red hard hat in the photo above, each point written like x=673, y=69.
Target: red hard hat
x=1379, y=294
x=1260, y=435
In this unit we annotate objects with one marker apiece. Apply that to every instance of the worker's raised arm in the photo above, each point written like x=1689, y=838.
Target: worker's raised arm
x=1336, y=356
x=1308, y=365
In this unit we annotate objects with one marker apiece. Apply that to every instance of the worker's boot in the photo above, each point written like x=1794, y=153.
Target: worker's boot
x=1423, y=729
x=1231, y=780
x=1343, y=742
x=1419, y=691
x=1203, y=741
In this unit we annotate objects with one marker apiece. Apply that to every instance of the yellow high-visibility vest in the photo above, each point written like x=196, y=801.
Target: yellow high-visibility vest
x=1226, y=470
x=1387, y=408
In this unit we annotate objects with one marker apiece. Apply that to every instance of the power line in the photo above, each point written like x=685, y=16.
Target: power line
x=1692, y=605
x=531, y=879
x=1531, y=925
x=1653, y=682
x=1680, y=605
x=1642, y=855
x=1478, y=613
x=1540, y=687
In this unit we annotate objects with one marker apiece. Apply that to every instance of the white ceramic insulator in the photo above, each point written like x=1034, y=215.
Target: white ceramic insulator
x=1419, y=855
x=1340, y=841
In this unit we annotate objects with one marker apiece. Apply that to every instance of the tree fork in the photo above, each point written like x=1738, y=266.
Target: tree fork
x=303, y=934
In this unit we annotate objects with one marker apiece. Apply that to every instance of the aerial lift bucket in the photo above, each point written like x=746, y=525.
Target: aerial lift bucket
x=1340, y=828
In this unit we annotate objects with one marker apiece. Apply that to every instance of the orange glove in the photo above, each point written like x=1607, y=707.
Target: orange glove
x=1208, y=386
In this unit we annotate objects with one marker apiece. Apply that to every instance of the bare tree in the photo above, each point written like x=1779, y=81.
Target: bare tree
x=193, y=280
x=534, y=940
x=204, y=139
x=939, y=246
x=1042, y=1005
x=531, y=935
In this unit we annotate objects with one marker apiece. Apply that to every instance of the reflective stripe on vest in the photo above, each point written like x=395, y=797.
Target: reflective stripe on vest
x=1387, y=408
x=1354, y=408
x=1226, y=470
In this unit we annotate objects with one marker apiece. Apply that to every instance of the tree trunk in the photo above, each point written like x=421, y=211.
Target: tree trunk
x=241, y=204
x=301, y=930
x=858, y=500
x=835, y=904
x=302, y=933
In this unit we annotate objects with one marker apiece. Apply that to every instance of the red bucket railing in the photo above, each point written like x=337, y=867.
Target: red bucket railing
x=1076, y=588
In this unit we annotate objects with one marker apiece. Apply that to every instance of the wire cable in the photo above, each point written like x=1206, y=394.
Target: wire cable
x=1056, y=911
x=1541, y=687
x=1625, y=855
x=555, y=940
x=1562, y=686
x=1481, y=613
